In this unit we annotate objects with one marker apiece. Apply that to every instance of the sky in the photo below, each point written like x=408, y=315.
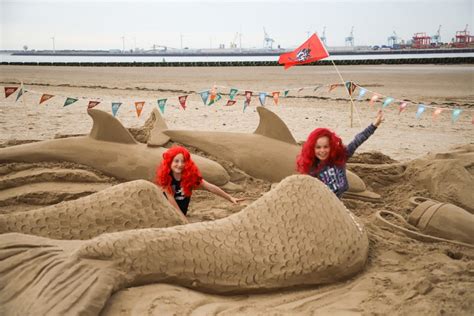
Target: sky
x=114, y=24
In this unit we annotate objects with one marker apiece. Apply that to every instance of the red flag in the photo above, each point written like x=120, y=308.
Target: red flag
x=92, y=104
x=9, y=91
x=182, y=101
x=311, y=50
x=230, y=102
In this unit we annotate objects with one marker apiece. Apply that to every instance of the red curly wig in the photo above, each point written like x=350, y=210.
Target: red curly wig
x=307, y=158
x=191, y=177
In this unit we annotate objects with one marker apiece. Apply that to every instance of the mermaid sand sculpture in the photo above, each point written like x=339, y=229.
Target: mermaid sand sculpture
x=283, y=239
x=130, y=205
x=271, y=145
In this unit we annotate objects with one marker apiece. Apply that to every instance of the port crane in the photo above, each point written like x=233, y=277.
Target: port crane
x=267, y=40
x=436, y=39
x=350, y=38
x=392, y=39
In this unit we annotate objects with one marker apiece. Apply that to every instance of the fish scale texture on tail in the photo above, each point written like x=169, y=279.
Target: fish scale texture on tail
x=130, y=205
x=299, y=233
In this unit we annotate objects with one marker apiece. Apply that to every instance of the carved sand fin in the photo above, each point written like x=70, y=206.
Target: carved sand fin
x=272, y=126
x=52, y=282
x=157, y=138
x=107, y=128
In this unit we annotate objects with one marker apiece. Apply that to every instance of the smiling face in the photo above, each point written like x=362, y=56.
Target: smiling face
x=177, y=165
x=321, y=148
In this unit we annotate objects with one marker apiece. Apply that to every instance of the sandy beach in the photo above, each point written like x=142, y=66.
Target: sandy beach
x=402, y=276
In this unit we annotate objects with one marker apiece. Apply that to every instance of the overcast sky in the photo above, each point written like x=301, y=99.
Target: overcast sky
x=101, y=24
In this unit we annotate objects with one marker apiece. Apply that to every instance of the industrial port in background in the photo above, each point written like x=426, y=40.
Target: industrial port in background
x=419, y=43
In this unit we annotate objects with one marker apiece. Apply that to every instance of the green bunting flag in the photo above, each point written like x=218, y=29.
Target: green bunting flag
x=69, y=101
x=161, y=105
x=285, y=93
x=20, y=93
x=233, y=93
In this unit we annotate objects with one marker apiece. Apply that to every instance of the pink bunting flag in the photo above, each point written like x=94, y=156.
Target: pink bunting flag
x=276, y=96
x=373, y=99
x=139, y=107
x=402, y=107
x=182, y=101
x=9, y=91
x=92, y=104
x=436, y=113
x=248, y=97
x=45, y=97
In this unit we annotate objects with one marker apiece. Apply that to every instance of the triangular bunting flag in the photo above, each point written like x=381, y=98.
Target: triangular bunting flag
x=20, y=93
x=300, y=89
x=455, y=115
x=285, y=93
x=248, y=97
x=92, y=104
x=362, y=92
x=230, y=102
x=204, y=96
x=387, y=101
x=69, y=101
x=333, y=86
x=45, y=97
x=316, y=88
x=276, y=96
x=115, y=107
x=420, y=110
x=350, y=86
x=262, y=96
x=161, y=105
x=182, y=101
x=9, y=91
x=246, y=104
x=436, y=113
x=139, y=107
x=373, y=99
x=402, y=107
x=233, y=93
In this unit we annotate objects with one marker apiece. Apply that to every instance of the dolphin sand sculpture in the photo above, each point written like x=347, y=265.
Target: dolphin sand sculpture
x=283, y=239
x=269, y=153
x=111, y=149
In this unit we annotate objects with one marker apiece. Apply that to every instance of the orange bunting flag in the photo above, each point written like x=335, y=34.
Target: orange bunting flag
x=182, y=101
x=436, y=113
x=373, y=99
x=139, y=107
x=92, y=104
x=310, y=51
x=230, y=102
x=45, y=97
x=334, y=86
x=9, y=91
x=402, y=107
x=276, y=95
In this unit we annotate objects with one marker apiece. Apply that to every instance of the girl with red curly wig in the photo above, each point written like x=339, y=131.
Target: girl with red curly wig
x=178, y=176
x=324, y=156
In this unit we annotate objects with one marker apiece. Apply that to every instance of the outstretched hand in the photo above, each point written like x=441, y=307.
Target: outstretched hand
x=379, y=118
x=236, y=200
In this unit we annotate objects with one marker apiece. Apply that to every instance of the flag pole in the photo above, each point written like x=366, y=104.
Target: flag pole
x=350, y=94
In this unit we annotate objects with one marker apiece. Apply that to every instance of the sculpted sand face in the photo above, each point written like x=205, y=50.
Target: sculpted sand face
x=298, y=233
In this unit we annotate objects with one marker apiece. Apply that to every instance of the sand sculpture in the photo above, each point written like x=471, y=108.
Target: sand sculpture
x=111, y=149
x=130, y=205
x=269, y=153
x=281, y=240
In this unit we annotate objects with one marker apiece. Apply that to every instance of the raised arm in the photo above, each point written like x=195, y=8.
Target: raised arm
x=360, y=138
x=172, y=201
x=218, y=191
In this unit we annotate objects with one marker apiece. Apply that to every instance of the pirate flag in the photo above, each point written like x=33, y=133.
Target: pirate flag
x=311, y=50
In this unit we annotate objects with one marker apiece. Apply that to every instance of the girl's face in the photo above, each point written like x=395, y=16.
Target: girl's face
x=177, y=165
x=321, y=148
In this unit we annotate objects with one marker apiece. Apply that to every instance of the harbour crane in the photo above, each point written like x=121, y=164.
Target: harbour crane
x=436, y=39
x=392, y=39
x=350, y=38
x=267, y=40
x=323, y=38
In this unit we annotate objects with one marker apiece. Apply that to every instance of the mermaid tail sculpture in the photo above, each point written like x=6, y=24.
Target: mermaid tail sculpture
x=299, y=233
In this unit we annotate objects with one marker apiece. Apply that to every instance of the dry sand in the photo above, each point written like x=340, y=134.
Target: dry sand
x=403, y=276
